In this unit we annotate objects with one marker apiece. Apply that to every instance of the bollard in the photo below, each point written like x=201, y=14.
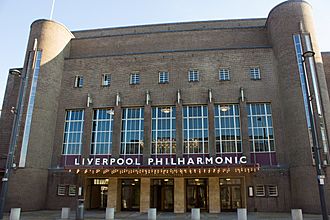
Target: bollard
x=65, y=213
x=152, y=213
x=296, y=214
x=241, y=214
x=15, y=213
x=80, y=209
x=195, y=214
x=109, y=213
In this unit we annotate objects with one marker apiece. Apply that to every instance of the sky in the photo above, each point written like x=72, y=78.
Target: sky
x=16, y=17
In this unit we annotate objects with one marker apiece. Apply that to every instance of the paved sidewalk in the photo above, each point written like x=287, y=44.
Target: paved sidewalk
x=98, y=215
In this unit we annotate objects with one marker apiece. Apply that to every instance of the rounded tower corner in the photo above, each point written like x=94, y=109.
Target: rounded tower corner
x=289, y=18
x=51, y=37
x=288, y=24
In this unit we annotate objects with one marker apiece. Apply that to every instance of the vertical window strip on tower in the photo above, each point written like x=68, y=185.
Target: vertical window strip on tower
x=195, y=129
x=30, y=109
x=227, y=129
x=298, y=49
x=132, y=131
x=73, y=131
x=260, y=126
x=102, y=131
x=303, y=83
x=163, y=130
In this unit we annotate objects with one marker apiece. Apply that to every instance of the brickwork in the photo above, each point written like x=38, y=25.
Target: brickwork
x=286, y=19
x=179, y=195
x=170, y=27
x=113, y=194
x=214, y=192
x=7, y=118
x=326, y=65
x=145, y=195
x=176, y=48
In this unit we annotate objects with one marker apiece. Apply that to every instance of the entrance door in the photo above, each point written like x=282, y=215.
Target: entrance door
x=196, y=194
x=130, y=195
x=98, y=194
x=230, y=194
x=162, y=194
x=104, y=196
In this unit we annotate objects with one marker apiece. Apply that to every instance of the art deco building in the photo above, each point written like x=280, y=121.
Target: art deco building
x=210, y=114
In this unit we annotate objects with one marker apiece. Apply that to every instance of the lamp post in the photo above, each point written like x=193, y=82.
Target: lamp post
x=17, y=111
x=309, y=55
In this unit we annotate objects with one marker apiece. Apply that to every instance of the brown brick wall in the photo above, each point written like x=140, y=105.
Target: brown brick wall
x=171, y=27
x=176, y=48
x=178, y=64
x=7, y=118
x=326, y=65
x=169, y=41
x=294, y=17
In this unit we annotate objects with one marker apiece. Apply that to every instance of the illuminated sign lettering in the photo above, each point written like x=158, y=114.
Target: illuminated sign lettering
x=180, y=161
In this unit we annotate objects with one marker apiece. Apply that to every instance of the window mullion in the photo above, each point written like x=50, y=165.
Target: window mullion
x=81, y=131
x=235, y=133
x=203, y=129
x=125, y=130
x=68, y=134
x=188, y=132
x=156, y=132
x=140, y=131
x=220, y=129
x=170, y=129
x=252, y=129
x=97, y=131
x=267, y=127
x=110, y=134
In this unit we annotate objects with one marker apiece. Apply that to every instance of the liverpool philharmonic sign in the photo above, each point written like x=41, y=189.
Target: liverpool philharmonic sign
x=180, y=161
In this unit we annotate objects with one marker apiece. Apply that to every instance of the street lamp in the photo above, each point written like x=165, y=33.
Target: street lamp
x=309, y=55
x=15, y=72
x=17, y=111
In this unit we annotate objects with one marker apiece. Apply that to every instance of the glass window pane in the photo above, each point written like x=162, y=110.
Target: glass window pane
x=132, y=130
x=195, y=129
x=260, y=124
x=73, y=132
x=227, y=126
x=102, y=131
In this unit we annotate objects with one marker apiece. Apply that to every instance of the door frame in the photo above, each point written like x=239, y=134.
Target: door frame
x=162, y=188
x=243, y=191
x=206, y=185
x=136, y=184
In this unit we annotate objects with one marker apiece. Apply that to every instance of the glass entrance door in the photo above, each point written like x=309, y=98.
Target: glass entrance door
x=197, y=194
x=162, y=194
x=230, y=194
x=130, y=195
x=104, y=196
x=98, y=194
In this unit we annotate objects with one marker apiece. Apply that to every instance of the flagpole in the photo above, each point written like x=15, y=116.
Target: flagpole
x=52, y=10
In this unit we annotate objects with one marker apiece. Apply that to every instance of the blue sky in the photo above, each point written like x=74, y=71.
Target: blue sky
x=16, y=17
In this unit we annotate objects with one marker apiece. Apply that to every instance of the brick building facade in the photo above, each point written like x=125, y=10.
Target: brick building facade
x=171, y=116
